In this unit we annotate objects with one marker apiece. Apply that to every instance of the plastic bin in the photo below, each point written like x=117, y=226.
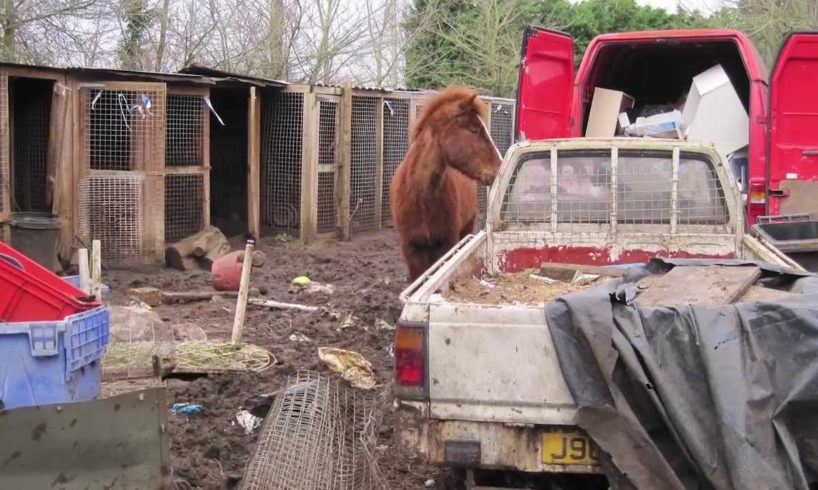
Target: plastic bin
x=75, y=281
x=52, y=362
x=796, y=236
x=36, y=235
x=29, y=292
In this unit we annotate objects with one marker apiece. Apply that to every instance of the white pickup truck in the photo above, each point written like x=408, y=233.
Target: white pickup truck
x=478, y=385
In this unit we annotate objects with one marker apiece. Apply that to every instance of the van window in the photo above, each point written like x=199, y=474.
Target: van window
x=584, y=187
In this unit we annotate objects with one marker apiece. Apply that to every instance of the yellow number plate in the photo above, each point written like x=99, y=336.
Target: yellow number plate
x=567, y=448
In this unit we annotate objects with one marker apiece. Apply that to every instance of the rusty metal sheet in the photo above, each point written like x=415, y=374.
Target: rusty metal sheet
x=112, y=443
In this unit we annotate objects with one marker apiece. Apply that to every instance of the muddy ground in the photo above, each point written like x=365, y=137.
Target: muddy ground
x=210, y=451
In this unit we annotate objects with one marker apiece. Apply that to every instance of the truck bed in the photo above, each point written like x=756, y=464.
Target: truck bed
x=526, y=287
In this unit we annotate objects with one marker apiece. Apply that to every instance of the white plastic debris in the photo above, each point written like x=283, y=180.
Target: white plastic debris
x=248, y=421
x=299, y=337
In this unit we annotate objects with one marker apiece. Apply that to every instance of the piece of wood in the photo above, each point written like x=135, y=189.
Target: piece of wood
x=170, y=297
x=282, y=306
x=96, y=269
x=254, y=164
x=698, y=285
x=150, y=296
x=210, y=243
x=85, y=273
x=244, y=290
x=566, y=272
x=764, y=295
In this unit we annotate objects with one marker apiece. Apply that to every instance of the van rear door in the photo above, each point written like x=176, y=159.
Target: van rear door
x=545, y=90
x=793, y=149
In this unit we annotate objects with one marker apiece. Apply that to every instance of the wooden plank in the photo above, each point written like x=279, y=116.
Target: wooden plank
x=765, y=295
x=697, y=285
x=566, y=272
x=254, y=164
x=244, y=291
x=344, y=173
x=803, y=197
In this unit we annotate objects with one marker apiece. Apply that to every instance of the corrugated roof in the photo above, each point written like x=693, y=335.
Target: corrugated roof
x=116, y=74
x=226, y=78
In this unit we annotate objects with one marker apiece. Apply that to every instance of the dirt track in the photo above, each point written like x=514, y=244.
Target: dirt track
x=210, y=451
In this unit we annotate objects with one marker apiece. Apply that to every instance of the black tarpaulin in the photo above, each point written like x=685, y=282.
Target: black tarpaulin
x=690, y=397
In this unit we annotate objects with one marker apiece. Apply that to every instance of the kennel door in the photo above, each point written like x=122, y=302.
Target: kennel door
x=122, y=171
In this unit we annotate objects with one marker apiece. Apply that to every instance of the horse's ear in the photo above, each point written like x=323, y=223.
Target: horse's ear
x=468, y=104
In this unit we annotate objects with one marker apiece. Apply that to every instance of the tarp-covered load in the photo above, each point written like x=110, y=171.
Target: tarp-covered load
x=721, y=397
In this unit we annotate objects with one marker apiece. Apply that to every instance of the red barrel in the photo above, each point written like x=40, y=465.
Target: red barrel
x=226, y=271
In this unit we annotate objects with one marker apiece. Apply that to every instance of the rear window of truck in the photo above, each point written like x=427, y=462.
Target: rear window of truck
x=585, y=187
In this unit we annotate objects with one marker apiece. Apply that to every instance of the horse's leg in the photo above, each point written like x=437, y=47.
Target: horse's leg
x=468, y=227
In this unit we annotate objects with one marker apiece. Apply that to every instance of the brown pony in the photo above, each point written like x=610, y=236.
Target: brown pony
x=434, y=190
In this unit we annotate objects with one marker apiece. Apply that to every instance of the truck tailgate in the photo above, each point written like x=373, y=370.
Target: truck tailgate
x=489, y=363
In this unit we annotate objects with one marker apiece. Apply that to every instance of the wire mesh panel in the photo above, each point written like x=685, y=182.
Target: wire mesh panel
x=5, y=171
x=364, y=162
x=587, y=189
x=118, y=123
x=318, y=434
x=32, y=110
x=327, y=145
x=502, y=123
x=185, y=130
x=184, y=195
x=281, y=155
x=395, y=146
x=110, y=210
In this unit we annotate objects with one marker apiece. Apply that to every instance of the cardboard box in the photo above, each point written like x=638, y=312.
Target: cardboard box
x=714, y=113
x=665, y=125
x=605, y=109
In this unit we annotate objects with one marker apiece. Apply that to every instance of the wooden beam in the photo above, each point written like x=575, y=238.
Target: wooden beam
x=344, y=173
x=309, y=169
x=5, y=151
x=205, y=163
x=379, y=190
x=254, y=164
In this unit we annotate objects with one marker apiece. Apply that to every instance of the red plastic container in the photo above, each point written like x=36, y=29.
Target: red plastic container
x=31, y=293
x=226, y=271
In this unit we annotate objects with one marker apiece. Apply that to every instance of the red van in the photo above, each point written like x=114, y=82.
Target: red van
x=656, y=66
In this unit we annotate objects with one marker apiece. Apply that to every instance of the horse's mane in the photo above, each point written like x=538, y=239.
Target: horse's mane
x=434, y=106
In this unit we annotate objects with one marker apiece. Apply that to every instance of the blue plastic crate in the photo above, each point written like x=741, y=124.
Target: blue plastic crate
x=52, y=362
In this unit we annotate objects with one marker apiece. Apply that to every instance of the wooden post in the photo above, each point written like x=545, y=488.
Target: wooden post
x=345, y=169
x=309, y=169
x=96, y=269
x=244, y=289
x=379, y=190
x=206, y=167
x=254, y=164
x=85, y=279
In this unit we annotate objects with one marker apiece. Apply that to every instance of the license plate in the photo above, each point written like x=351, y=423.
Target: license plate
x=568, y=448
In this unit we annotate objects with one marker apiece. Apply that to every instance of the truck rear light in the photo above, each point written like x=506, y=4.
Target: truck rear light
x=410, y=361
x=756, y=201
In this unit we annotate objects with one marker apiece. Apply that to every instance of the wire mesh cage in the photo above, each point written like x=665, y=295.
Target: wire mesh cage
x=364, y=162
x=395, y=146
x=110, y=210
x=31, y=119
x=184, y=198
x=327, y=163
x=319, y=433
x=184, y=134
x=281, y=159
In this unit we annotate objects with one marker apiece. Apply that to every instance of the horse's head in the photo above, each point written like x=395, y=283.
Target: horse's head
x=466, y=143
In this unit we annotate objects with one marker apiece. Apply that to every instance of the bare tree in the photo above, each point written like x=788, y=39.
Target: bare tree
x=18, y=18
